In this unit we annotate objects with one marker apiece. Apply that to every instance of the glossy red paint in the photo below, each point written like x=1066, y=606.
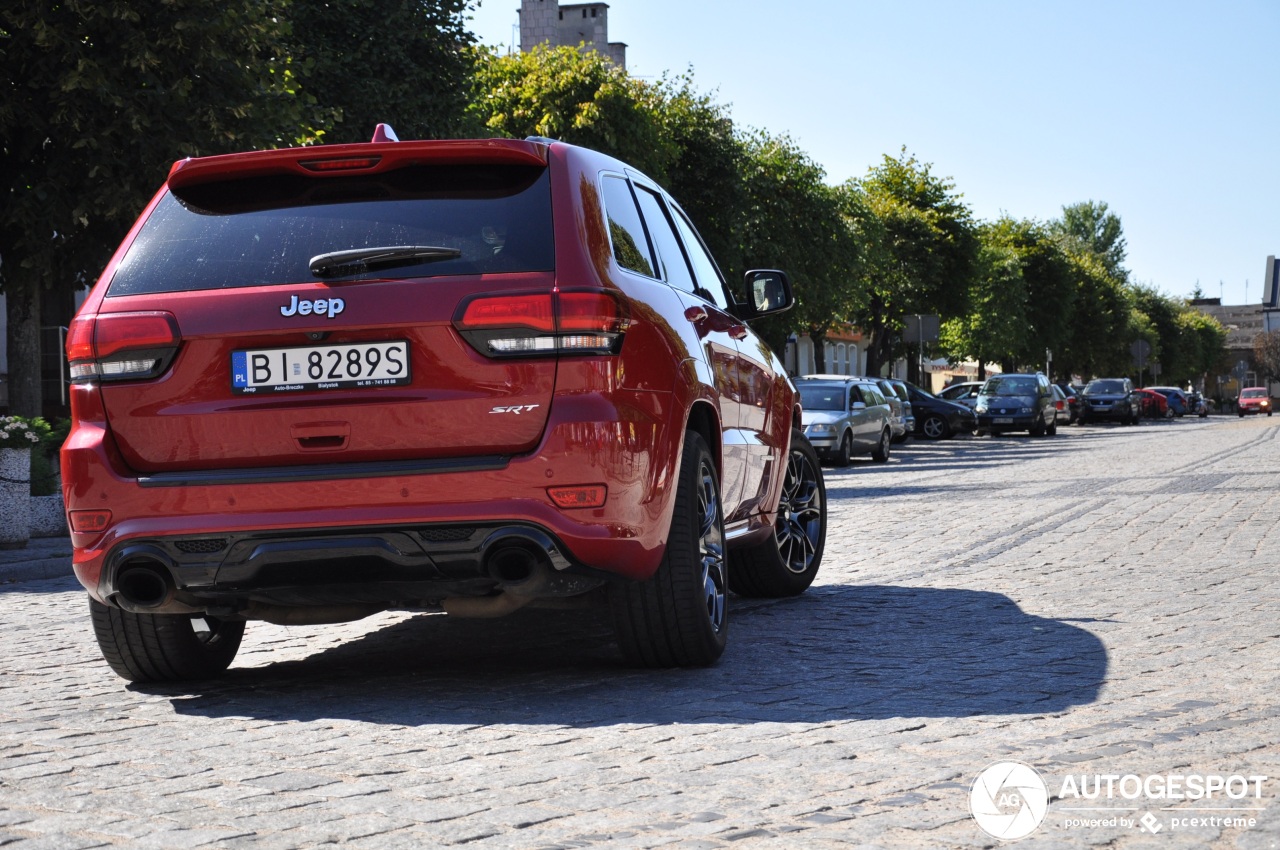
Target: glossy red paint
x=581, y=446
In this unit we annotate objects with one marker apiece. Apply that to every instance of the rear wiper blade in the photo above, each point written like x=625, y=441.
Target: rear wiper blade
x=360, y=260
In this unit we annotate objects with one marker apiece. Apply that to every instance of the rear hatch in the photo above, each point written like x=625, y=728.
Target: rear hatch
x=291, y=342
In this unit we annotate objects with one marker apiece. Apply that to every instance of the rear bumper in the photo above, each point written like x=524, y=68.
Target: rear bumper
x=369, y=529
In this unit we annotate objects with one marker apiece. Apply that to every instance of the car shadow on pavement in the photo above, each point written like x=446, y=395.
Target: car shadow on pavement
x=836, y=653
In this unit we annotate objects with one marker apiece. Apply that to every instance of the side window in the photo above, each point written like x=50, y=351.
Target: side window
x=630, y=245
x=709, y=284
x=854, y=395
x=874, y=397
x=671, y=259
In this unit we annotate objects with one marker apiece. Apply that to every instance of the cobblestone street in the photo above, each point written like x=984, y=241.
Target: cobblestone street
x=1103, y=602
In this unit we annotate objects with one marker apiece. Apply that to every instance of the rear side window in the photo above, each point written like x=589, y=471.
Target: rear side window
x=626, y=230
x=264, y=231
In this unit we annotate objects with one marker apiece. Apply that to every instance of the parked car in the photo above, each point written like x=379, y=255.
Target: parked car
x=1110, y=399
x=1154, y=405
x=464, y=376
x=1073, y=400
x=1253, y=400
x=908, y=411
x=1063, y=414
x=1178, y=402
x=965, y=393
x=1017, y=402
x=939, y=419
x=844, y=417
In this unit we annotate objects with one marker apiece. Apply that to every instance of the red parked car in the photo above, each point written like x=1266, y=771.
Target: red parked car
x=317, y=383
x=1253, y=400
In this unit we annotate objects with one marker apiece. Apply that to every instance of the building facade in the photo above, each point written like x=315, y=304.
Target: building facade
x=569, y=25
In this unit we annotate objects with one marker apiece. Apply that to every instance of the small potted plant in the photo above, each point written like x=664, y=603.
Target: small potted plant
x=19, y=435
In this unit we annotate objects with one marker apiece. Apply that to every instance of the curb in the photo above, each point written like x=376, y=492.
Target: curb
x=43, y=558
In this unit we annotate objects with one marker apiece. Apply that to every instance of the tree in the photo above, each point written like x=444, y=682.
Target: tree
x=401, y=62
x=1266, y=353
x=931, y=245
x=794, y=221
x=1099, y=328
x=1090, y=226
x=573, y=96
x=705, y=173
x=99, y=98
x=995, y=324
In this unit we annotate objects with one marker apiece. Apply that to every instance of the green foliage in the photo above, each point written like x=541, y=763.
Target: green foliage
x=99, y=99
x=1266, y=353
x=931, y=245
x=793, y=220
x=1090, y=227
x=574, y=96
x=995, y=325
x=400, y=62
x=707, y=165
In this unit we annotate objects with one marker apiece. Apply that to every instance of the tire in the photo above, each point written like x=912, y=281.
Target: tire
x=935, y=427
x=1052, y=428
x=1242, y=414
x=679, y=616
x=1038, y=428
x=164, y=647
x=844, y=456
x=881, y=452
x=786, y=563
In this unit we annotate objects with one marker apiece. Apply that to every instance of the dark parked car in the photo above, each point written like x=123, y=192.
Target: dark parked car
x=1110, y=399
x=1073, y=400
x=939, y=419
x=1063, y=414
x=1017, y=402
x=965, y=393
x=464, y=376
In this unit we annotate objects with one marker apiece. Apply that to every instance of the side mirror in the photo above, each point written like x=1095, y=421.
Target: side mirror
x=858, y=405
x=768, y=293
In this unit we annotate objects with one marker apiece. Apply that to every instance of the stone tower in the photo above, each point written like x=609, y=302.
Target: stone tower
x=549, y=21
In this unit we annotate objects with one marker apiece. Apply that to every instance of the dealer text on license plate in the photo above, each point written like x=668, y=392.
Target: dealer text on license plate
x=320, y=367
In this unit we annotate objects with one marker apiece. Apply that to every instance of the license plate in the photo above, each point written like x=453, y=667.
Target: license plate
x=1003, y=420
x=320, y=367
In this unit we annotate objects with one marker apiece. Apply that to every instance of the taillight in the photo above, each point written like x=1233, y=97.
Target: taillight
x=539, y=323
x=121, y=346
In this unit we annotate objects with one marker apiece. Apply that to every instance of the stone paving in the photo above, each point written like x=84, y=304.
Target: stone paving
x=1103, y=602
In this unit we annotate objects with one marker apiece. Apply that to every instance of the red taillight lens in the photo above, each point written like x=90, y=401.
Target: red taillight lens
x=90, y=522
x=581, y=496
x=524, y=324
x=510, y=311
x=121, y=346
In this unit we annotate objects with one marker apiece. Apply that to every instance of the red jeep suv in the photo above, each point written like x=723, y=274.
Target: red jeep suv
x=464, y=376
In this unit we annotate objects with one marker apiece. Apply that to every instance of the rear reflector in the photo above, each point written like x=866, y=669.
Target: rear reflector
x=90, y=522
x=581, y=496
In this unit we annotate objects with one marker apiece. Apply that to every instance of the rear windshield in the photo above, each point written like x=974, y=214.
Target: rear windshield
x=264, y=231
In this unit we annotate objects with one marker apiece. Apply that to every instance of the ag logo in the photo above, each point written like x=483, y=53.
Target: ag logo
x=1009, y=800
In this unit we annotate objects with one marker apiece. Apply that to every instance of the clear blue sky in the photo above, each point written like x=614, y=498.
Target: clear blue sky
x=1167, y=110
